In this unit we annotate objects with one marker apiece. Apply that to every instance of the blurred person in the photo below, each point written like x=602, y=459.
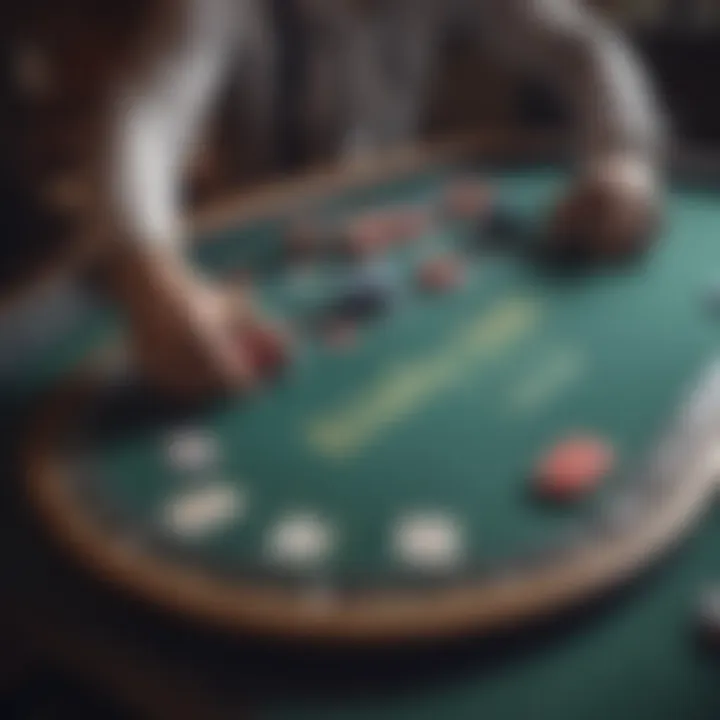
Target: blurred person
x=369, y=71
x=371, y=64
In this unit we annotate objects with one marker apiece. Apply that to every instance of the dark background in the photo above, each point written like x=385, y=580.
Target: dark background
x=685, y=67
x=687, y=70
x=472, y=93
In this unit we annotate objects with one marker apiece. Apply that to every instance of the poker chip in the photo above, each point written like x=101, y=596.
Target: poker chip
x=374, y=233
x=468, y=199
x=428, y=541
x=366, y=294
x=191, y=450
x=368, y=236
x=441, y=274
x=203, y=510
x=363, y=303
x=408, y=224
x=300, y=539
x=574, y=468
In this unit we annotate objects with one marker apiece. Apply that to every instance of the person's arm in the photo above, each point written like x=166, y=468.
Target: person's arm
x=620, y=127
x=156, y=121
x=592, y=67
x=184, y=330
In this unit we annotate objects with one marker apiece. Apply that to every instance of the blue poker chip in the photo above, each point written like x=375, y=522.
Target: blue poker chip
x=370, y=291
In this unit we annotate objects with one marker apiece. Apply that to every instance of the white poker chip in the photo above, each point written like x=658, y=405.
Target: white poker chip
x=428, y=541
x=300, y=539
x=192, y=450
x=204, y=510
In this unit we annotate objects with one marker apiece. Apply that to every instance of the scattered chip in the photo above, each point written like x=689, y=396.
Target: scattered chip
x=374, y=233
x=300, y=540
x=468, y=200
x=368, y=236
x=408, y=224
x=361, y=303
x=574, y=468
x=368, y=293
x=441, y=274
x=428, y=541
x=204, y=510
x=191, y=450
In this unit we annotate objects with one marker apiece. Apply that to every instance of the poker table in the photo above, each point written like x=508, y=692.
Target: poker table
x=365, y=525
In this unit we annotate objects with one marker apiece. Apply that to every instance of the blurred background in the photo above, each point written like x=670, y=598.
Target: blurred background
x=288, y=108
x=284, y=115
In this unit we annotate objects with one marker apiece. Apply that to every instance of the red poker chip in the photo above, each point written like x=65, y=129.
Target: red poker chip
x=574, y=468
x=408, y=224
x=441, y=274
x=368, y=236
x=468, y=199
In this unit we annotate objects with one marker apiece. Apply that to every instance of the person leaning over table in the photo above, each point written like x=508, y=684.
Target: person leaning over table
x=187, y=331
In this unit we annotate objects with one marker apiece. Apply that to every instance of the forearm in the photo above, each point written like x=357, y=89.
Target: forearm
x=591, y=67
x=155, y=125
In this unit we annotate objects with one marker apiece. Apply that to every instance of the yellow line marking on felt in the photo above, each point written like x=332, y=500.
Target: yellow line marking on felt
x=553, y=376
x=410, y=385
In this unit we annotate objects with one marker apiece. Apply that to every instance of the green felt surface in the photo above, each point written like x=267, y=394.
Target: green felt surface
x=442, y=409
x=614, y=352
